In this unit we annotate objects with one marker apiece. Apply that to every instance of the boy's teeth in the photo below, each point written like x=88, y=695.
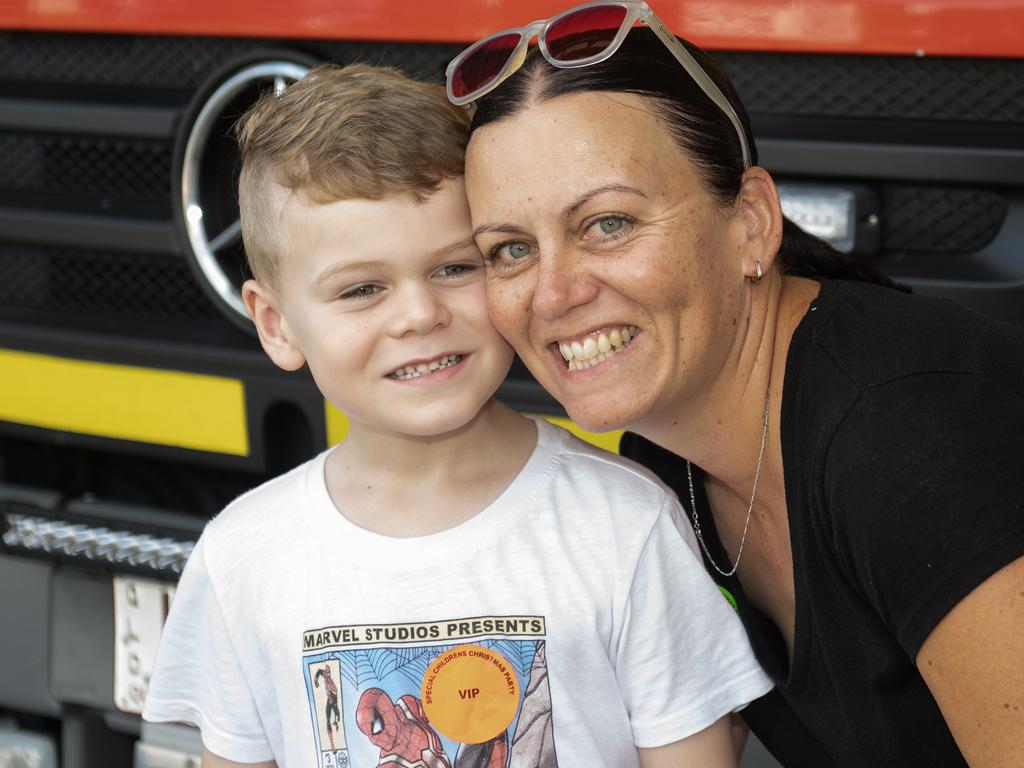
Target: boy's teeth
x=413, y=372
x=595, y=349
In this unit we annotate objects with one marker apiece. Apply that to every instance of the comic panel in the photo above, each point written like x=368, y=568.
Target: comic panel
x=466, y=693
x=326, y=707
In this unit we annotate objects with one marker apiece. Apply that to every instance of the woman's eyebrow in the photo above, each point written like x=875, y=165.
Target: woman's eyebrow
x=512, y=229
x=591, y=194
x=507, y=229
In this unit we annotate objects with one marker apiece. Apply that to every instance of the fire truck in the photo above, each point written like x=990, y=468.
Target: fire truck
x=135, y=401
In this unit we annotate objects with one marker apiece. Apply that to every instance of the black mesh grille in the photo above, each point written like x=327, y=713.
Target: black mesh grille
x=179, y=62
x=114, y=284
x=937, y=220
x=85, y=165
x=160, y=62
x=73, y=169
x=886, y=87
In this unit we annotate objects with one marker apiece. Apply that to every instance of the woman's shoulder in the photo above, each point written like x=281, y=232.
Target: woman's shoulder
x=876, y=335
x=929, y=402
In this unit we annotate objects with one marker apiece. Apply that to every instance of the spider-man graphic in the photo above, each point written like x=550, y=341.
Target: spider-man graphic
x=406, y=739
x=332, y=701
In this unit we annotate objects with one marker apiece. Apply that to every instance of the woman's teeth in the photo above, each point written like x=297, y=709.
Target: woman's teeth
x=597, y=348
x=415, y=371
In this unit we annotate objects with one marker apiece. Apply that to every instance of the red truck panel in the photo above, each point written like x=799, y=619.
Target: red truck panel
x=934, y=27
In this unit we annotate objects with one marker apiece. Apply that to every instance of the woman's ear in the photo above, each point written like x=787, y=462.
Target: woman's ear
x=264, y=309
x=758, y=205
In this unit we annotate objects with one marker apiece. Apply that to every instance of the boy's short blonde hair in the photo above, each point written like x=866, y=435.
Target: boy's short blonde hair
x=342, y=133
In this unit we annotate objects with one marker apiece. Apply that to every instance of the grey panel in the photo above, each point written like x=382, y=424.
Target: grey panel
x=973, y=165
x=76, y=230
x=756, y=756
x=25, y=749
x=24, y=605
x=109, y=119
x=168, y=745
x=86, y=742
x=82, y=638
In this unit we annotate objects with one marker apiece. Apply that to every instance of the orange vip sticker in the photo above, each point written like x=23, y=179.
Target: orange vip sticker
x=470, y=693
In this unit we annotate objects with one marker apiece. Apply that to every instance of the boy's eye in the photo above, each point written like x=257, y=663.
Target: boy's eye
x=455, y=270
x=361, y=292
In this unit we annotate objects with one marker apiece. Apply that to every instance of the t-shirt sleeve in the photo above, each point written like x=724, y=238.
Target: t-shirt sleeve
x=925, y=483
x=683, y=660
x=199, y=678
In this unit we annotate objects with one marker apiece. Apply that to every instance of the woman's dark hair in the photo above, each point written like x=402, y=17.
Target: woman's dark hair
x=643, y=66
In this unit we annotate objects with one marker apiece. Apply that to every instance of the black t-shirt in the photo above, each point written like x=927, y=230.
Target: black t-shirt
x=903, y=448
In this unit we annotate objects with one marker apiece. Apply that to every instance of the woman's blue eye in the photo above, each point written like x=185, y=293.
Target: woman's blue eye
x=518, y=250
x=507, y=255
x=611, y=224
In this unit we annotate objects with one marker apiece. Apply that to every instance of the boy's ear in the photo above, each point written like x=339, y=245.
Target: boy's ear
x=761, y=214
x=272, y=326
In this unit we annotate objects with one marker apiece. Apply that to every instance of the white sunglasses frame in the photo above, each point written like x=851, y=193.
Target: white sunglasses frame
x=637, y=11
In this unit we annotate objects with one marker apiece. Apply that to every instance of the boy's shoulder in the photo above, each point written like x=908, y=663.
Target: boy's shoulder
x=266, y=513
x=607, y=475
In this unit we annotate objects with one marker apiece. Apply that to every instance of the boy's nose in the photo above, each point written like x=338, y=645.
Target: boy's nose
x=421, y=310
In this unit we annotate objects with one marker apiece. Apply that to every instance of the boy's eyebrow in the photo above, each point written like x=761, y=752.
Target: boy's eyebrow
x=456, y=246
x=348, y=266
x=371, y=264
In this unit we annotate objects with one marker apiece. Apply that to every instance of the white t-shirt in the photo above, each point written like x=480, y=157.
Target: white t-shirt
x=565, y=624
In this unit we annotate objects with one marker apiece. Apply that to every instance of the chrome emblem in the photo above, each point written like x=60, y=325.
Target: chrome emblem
x=211, y=233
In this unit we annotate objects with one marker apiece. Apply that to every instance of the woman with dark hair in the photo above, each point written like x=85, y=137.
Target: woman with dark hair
x=851, y=456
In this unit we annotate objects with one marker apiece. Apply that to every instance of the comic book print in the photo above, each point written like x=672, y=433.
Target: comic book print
x=461, y=693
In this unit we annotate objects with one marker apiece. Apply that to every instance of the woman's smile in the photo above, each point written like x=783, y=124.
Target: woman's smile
x=591, y=349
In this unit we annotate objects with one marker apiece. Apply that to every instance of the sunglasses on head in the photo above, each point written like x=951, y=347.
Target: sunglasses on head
x=578, y=37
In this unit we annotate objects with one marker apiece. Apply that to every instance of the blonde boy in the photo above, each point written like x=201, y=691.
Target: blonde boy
x=454, y=585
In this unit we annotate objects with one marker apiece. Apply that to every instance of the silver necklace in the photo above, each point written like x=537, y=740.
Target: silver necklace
x=750, y=506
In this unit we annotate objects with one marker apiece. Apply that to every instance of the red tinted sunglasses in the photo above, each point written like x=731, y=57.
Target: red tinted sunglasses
x=586, y=34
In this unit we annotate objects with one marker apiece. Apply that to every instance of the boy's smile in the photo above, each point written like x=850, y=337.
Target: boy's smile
x=416, y=369
x=385, y=301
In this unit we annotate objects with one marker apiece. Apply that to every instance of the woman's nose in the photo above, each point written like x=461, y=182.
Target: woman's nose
x=562, y=284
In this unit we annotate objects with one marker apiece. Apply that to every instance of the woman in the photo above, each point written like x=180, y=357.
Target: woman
x=851, y=456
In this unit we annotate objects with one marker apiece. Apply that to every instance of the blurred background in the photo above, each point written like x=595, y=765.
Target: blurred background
x=134, y=399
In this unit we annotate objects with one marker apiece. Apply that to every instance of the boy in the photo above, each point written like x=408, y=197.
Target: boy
x=454, y=585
